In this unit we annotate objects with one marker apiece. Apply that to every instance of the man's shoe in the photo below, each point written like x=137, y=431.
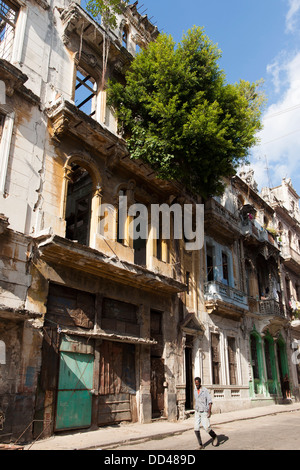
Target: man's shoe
x=215, y=439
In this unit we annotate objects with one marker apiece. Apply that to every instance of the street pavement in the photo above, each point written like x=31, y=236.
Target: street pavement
x=110, y=437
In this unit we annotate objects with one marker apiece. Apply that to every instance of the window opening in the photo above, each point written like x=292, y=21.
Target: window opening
x=8, y=18
x=155, y=324
x=78, y=209
x=232, y=361
x=120, y=230
x=85, y=93
x=159, y=240
x=139, y=244
x=209, y=263
x=215, y=354
x=125, y=38
x=225, y=267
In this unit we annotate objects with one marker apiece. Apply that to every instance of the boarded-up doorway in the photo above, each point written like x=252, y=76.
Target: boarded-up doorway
x=157, y=388
x=117, y=384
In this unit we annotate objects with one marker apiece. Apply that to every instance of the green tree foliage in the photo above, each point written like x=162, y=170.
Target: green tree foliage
x=107, y=9
x=179, y=114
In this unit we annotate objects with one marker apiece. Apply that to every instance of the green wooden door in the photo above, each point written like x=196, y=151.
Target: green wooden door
x=74, y=398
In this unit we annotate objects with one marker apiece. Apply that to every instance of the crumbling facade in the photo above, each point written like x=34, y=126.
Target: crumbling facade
x=98, y=318
x=98, y=326
x=285, y=202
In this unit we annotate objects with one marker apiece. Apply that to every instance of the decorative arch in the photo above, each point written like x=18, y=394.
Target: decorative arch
x=74, y=162
x=86, y=161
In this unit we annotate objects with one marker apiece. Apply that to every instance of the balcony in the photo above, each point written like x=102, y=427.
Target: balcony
x=255, y=230
x=271, y=307
x=254, y=233
x=271, y=311
x=67, y=120
x=220, y=222
x=224, y=300
x=60, y=251
x=291, y=258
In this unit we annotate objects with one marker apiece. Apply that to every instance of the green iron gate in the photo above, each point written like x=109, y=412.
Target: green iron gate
x=74, y=397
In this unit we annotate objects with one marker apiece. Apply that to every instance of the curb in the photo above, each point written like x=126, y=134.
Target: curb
x=178, y=432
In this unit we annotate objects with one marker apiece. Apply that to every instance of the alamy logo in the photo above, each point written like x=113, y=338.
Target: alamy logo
x=188, y=222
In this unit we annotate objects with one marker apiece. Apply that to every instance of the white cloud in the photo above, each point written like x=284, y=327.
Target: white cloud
x=280, y=139
x=292, y=15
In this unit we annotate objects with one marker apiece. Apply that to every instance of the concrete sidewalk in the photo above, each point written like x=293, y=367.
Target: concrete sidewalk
x=112, y=436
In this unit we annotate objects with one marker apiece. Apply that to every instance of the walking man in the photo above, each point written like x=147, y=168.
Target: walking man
x=203, y=404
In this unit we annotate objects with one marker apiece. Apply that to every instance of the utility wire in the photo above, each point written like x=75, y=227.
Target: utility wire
x=282, y=112
x=278, y=138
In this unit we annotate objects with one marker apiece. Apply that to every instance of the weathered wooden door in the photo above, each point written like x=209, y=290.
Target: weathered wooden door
x=232, y=361
x=215, y=353
x=74, y=398
x=157, y=387
x=116, y=383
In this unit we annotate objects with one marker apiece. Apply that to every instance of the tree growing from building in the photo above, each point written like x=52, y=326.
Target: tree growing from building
x=179, y=114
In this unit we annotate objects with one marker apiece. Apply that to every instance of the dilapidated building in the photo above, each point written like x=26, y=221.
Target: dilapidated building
x=98, y=326
x=246, y=351
x=93, y=323
x=285, y=202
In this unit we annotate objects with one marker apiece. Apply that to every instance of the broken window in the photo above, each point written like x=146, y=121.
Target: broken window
x=85, y=92
x=8, y=19
x=78, y=208
x=125, y=37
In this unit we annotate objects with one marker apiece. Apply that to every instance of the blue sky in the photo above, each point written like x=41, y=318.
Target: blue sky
x=259, y=39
